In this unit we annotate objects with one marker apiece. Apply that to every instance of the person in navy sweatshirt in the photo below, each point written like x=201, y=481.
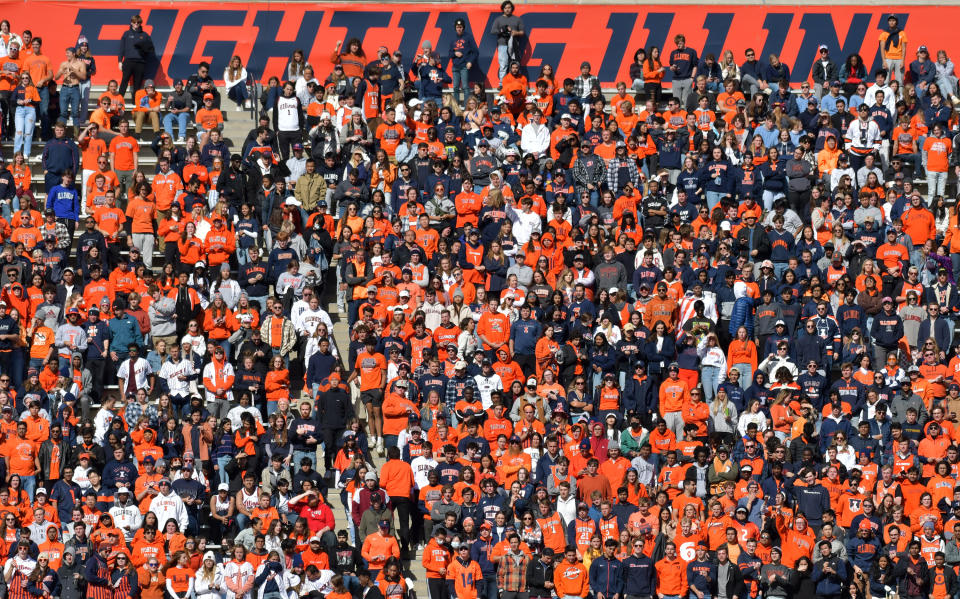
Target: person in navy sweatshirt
x=463, y=55
x=60, y=155
x=749, y=180
x=782, y=244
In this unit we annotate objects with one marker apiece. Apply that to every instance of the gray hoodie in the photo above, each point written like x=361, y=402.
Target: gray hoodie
x=163, y=317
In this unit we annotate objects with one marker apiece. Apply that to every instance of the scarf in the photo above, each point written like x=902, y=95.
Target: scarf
x=892, y=40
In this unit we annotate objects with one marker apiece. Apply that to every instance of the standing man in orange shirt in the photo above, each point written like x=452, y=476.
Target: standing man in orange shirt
x=674, y=393
x=936, y=159
x=671, y=574
x=41, y=71
x=91, y=149
x=371, y=369
x=20, y=454
x=142, y=213
x=893, y=48
x=493, y=328
x=124, y=159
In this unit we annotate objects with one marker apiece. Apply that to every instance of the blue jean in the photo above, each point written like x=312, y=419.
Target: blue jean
x=261, y=301
x=181, y=119
x=70, y=103
x=769, y=197
x=779, y=268
x=746, y=375
x=936, y=184
x=490, y=588
x=503, y=60
x=243, y=521
x=84, y=100
x=44, y=109
x=238, y=93
x=222, y=462
x=710, y=377
x=713, y=198
x=29, y=484
x=24, y=120
x=461, y=81
x=299, y=455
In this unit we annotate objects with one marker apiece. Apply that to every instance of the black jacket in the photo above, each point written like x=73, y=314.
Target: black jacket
x=135, y=46
x=949, y=579
x=824, y=74
x=761, y=242
x=734, y=583
x=335, y=409
x=537, y=574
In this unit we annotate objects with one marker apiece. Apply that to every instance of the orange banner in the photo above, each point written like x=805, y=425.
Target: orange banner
x=186, y=33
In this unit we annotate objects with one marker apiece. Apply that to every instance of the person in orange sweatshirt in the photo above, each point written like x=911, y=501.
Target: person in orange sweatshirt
x=436, y=560
x=396, y=478
x=220, y=243
x=397, y=409
x=152, y=581
x=378, y=548
x=570, y=577
x=674, y=393
x=671, y=573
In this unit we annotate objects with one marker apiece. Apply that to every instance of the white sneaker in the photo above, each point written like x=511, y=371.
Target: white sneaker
x=182, y=140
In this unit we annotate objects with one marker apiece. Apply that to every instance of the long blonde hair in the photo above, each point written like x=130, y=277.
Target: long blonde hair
x=235, y=71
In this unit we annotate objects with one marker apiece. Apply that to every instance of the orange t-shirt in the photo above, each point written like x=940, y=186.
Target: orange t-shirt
x=209, y=119
x=371, y=368
x=92, y=148
x=494, y=327
x=141, y=214
x=389, y=137
x=109, y=220
x=39, y=67
x=123, y=149
x=9, y=72
x=20, y=454
x=43, y=338
x=938, y=151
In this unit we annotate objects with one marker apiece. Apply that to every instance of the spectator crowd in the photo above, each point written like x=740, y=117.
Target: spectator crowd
x=689, y=339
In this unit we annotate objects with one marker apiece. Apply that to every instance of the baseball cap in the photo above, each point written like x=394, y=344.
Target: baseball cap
x=531, y=382
x=207, y=96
